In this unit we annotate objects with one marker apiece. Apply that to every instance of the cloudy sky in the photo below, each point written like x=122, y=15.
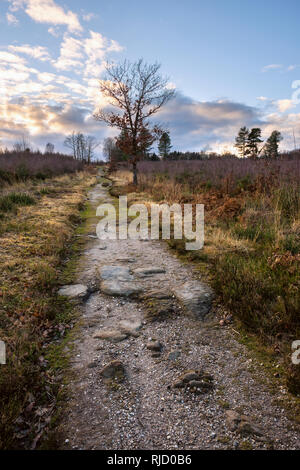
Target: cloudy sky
x=232, y=62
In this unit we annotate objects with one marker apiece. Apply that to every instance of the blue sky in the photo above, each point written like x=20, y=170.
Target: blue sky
x=232, y=62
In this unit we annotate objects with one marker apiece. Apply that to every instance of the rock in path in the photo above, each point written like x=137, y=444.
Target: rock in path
x=174, y=355
x=149, y=271
x=155, y=346
x=75, y=291
x=196, y=381
x=195, y=297
x=118, y=281
x=113, y=335
x=121, y=289
x=241, y=424
x=116, y=273
x=114, y=370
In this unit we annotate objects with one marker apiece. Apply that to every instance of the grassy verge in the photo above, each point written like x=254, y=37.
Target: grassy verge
x=251, y=255
x=38, y=221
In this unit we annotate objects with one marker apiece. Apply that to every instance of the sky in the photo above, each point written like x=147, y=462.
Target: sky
x=232, y=62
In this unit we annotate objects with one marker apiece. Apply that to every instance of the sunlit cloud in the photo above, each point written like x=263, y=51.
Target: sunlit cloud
x=284, y=105
x=47, y=92
x=47, y=11
x=70, y=54
x=86, y=53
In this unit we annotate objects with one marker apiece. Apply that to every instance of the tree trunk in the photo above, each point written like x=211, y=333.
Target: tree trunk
x=135, y=173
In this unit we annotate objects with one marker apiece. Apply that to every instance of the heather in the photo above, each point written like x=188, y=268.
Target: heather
x=18, y=166
x=228, y=173
x=252, y=230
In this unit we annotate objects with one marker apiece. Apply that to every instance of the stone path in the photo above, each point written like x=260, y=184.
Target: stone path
x=153, y=368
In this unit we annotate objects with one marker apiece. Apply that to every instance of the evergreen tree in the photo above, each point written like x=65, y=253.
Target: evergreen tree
x=254, y=138
x=49, y=148
x=164, y=145
x=271, y=148
x=241, y=141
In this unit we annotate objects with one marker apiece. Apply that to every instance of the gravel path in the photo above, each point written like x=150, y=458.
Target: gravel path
x=227, y=405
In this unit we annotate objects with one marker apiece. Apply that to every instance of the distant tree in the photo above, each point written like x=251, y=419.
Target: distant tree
x=136, y=91
x=253, y=140
x=90, y=144
x=241, y=141
x=164, y=145
x=22, y=145
x=111, y=152
x=71, y=143
x=153, y=157
x=49, y=148
x=272, y=145
x=82, y=146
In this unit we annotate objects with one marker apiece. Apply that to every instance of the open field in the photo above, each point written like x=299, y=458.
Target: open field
x=38, y=220
x=252, y=251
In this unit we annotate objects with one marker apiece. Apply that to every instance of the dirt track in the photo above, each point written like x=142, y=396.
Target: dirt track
x=145, y=411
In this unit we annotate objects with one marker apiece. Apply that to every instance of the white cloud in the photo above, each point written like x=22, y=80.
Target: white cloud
x=47, y=11
x=96, y=47
x=89, y=16
x=11, y=19
x=271, y=67
x=46, y=77
x=292, y=67
x=36, y=52
x=54, y=31
x=7, y=57
x=87, y=53
x=71, y=54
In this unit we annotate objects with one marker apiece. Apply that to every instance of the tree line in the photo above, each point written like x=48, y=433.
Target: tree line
x=248, y=143
x=82, y=146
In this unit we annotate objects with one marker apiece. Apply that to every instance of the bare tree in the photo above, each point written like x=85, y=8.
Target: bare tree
x=22, y=145
x=136, y=91
x=91, y=144
x=71, y=143
x=82, y=146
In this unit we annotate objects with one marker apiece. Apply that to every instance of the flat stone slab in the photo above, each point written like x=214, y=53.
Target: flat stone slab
x=75, y=291
x=118, y=273
x=120, y=331
x=195, y=297
x=119, y=288
x=149, y=271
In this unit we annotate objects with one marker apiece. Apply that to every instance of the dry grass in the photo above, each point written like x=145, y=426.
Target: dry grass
x=33, y=242
x=251, y=252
